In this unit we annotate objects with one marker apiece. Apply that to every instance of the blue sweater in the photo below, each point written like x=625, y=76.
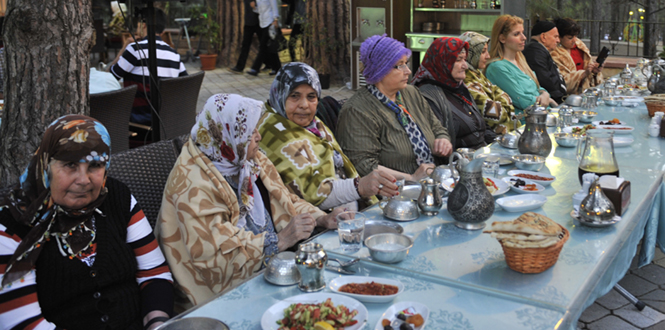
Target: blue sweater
x=521, y=88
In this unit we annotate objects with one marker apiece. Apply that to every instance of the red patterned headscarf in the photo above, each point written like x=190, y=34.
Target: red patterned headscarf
x=439, y=61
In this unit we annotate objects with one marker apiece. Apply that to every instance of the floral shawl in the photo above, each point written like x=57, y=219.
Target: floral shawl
x=71, y=138
x=304, y=160
x=223, y=131
x=575, y=81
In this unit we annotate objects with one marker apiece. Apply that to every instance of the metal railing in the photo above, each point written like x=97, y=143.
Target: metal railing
x=623, y=38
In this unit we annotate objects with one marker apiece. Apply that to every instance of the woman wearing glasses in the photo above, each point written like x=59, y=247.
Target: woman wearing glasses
x=389, y=125
x=441, y=80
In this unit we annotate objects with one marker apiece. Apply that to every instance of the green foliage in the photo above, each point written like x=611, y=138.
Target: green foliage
x=662, y=54
x=546, y=9
x=208, y=27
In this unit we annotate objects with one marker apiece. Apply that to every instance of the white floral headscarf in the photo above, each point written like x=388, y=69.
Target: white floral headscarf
x=222, y=132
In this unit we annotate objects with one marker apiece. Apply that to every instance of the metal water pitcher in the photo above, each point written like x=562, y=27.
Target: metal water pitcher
x=430, y=200
x=535, y=140
x=470, y=203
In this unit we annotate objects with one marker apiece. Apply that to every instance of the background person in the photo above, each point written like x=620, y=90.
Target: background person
x=508, y=68
x=249, y=30
x=494, y=104
x=441, y=80
x=544, y=39
x=225, y=207
x=389, y=125
x=76, y=249
x=305, y=151
x=574, y=60
x=268, y=14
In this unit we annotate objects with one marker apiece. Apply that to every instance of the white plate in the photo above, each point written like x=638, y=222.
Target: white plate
x=521, y=203
x=539, y=187
x=617, y=129
x=502, y=187
x=338, y=282
x=622, y=141
x=400, y=306
x=504, y=159
x=569, y=129
x=276, y=311
x=597, y=122
x=543, y=175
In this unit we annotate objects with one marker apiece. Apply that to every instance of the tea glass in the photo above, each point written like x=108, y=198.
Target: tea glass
x=351, y=229
x=491, y=165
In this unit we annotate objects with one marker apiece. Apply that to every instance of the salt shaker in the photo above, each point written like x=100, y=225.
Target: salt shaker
x=654, y=130
x=658, y=116
x=578, y=197
x=311, y=260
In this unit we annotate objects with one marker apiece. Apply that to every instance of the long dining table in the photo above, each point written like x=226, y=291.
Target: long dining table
x=462, y=276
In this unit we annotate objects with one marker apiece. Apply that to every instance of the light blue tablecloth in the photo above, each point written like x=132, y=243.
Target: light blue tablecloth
x=462, y=275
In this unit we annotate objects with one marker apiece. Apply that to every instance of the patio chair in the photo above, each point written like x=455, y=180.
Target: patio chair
x=145, y=171
x=178, y=104
x=327, y=111
x=113, y=110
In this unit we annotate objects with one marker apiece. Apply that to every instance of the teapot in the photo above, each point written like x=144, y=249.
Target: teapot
x=470, y=203
x=429, y=200
x=535, y=140
x=509, y=140
x=400, y=208
x=311, y=259
x=656, y=82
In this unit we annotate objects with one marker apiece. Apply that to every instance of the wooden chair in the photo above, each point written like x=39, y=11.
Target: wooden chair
x=113, y=109
x=145, y=171
x=178, y=104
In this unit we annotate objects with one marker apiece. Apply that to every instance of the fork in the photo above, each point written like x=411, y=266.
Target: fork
x=345, y=264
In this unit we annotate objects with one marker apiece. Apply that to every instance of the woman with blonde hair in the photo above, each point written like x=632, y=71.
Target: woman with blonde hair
x=508, y=68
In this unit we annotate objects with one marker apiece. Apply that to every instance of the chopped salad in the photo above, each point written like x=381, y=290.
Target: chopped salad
x=303, y=316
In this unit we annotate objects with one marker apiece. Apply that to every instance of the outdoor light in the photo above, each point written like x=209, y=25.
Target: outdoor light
x=641, y=17
x=630, y=13
x=641, y=10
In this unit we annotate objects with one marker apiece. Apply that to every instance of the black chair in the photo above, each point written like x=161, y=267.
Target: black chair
x=113, y=109
x=327, y=110
x=178, y=104
x=145, y=171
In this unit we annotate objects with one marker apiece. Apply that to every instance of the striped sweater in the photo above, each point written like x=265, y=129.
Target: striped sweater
x=42, y=298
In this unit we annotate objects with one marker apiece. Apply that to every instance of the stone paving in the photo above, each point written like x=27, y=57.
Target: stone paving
x=610, y=312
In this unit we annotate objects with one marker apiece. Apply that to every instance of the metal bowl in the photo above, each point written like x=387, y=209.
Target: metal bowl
x=375, y=227
x=389, y=248
x=199, y=323
x=400, y=208
x=567, y=140
x=574, y=100
x=282, y=270
x=611, y=101
x=585, y=116
x=529, y=162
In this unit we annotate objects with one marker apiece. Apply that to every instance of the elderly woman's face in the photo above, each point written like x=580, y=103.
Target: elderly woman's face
x=253, y=147
x=568, y=41
x=397, y=78
x=300, y=105
x=484, y=56
x=460, y=66
x=75, y=185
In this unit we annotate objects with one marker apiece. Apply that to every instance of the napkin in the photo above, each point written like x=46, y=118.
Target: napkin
x=610, y=181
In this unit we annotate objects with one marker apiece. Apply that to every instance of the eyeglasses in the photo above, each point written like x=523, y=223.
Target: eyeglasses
x=404, y=67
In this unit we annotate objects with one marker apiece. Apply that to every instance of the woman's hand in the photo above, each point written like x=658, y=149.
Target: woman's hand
x=421, y=172
x=553, y=103
x=330, y=220
x=543, y=99
x=596, y=68
x=299, y=228
x=377, y=182
x=442, y=147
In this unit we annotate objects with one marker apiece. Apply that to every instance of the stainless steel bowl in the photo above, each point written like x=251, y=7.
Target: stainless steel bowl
x=388, y=248
x=611, y=101
x=574, y=100
x=198, y=323
x=282, y=270
x=529, y=162
x=375, y=227
x=567, y=140
x=400, y=208
x=585, y=116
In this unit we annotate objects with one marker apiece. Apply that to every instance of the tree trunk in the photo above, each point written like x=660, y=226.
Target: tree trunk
x=232, y=16
x=650, y=35
x=47, y=47
x=327, y=38
x=596, y=15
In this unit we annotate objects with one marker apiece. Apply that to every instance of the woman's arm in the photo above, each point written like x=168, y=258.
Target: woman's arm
x=358, y=135
x=153, y=275
x=20, y=306
x=522, y=90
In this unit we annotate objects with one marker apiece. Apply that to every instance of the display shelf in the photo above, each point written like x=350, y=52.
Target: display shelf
x=462, y=10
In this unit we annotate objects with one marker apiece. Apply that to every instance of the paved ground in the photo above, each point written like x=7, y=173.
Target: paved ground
x=610, y=312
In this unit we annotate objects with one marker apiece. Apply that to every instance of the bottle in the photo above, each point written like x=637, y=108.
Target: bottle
x=493, y=4
x=498, y=4
x=435, y=3
x=420, y=3
x=474, y=4
x=584, y=191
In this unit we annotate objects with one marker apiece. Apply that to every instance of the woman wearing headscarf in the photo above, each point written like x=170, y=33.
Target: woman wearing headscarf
x=508, y=68
x=304, y=150
x=225, y=207
x=494, y=104
x=389, y=125
x=574, y=59
x=76, y=250
x=441, y=80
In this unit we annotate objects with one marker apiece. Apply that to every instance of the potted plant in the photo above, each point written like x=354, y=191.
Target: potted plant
x=208, y=29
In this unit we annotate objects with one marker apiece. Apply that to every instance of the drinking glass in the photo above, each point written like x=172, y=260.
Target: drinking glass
x=351, y=229
x=491, y=165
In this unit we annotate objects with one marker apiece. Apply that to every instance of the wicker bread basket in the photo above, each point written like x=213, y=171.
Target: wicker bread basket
x=655, y=103
x=534, y=260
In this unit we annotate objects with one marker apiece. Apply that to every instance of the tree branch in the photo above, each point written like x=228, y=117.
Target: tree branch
x=657, y=10
x=639, y=3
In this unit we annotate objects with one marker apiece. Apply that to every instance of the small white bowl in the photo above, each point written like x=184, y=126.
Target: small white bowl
x=338, y=282
x=521, y=203
x=521, y=189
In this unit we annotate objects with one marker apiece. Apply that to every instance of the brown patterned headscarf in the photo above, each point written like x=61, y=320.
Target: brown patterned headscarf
x=71, y=138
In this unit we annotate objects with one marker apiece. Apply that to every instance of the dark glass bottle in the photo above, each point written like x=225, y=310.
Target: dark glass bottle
x=435, y=3
x=474, y=4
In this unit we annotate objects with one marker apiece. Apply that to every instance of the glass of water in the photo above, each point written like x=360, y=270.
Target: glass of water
x=491, y=166
x=351, y=229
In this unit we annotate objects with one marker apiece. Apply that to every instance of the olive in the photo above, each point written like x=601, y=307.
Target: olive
x=388, y=327
x=405, y=326
x=401, y=316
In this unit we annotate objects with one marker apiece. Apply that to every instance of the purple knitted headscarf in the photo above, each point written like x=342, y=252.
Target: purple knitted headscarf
x=379, y=55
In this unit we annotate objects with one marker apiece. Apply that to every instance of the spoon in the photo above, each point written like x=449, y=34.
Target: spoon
x=345, y=264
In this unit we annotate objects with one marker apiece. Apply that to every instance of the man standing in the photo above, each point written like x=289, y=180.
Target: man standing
x=544, y=38
x=251, y=28
x=268, y=14
x=132, y=65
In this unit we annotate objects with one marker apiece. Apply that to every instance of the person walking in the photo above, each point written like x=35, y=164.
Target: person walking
x=251, y=28
x=268, y=14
